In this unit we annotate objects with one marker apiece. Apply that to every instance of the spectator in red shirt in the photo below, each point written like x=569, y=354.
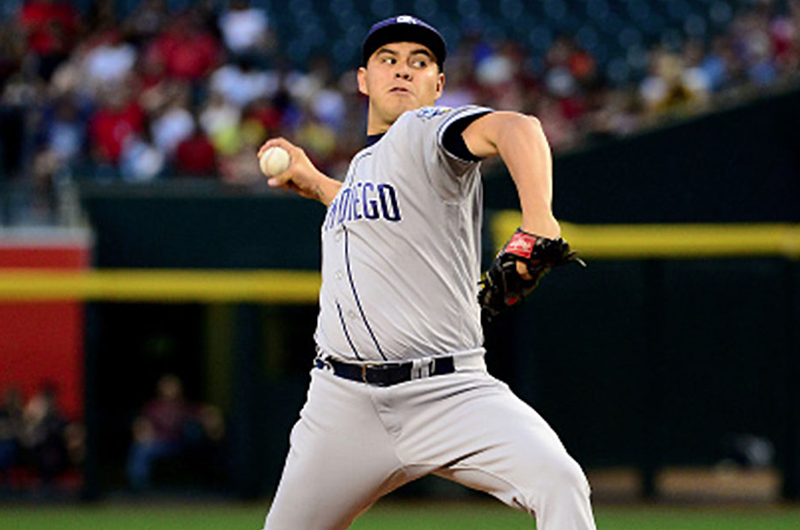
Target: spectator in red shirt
x=188, y=51
x=50, y=29
x=113, y=122
x=40, y=19
x=195, y=156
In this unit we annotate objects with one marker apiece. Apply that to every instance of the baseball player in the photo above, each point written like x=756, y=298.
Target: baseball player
x=399, y=387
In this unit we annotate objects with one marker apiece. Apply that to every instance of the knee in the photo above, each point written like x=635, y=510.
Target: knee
x=568, y=479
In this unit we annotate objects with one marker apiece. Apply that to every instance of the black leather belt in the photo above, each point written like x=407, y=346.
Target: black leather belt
x=386, y=374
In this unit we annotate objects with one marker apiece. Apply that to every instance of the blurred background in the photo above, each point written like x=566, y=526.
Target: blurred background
x=139, y=355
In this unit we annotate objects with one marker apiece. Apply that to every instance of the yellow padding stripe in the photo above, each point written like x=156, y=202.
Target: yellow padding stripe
x=302, y=287
x=294, y=287
x=682, y=241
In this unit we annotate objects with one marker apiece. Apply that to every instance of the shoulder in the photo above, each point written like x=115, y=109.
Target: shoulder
x=437, y=120
x=442, y=115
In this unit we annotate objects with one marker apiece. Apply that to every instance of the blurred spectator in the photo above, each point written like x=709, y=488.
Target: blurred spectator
x=110, y=61
x=754, y=44
x=11, y=423
x=220, y=120
x=616, y=115
x=117, y=117
x=561, y=132
x=43, y=436
x=241, y=84
x=12, y=51
x=60, y=147
x=195, y=155
x=140, y=159
x=670, y=86
x=174, y=122
x=785, y=33
x=245, y=30
x=62, y=129
x=169, y=426
x=329, y=107
x=318, y=140
x=50, y=28
x=569, y=73
x=187, y=50
x=264, y=112
x=230, y=74
x=241, y=166
x=146, y=21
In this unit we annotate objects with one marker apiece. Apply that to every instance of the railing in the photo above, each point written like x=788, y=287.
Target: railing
x=25, y=204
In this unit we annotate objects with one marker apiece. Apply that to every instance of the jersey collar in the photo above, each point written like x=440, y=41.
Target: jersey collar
x=372, y=139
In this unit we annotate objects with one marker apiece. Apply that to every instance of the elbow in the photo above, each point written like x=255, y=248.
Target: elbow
x=532, y=123
x=535, y=123
x=522, y=125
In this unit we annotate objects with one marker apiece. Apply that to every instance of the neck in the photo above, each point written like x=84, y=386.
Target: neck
x=375, y=126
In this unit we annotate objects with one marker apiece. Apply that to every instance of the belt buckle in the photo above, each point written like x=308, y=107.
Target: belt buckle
x=364, y=371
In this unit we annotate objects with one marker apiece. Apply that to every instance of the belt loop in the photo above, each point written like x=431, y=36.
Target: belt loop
x=421, y=368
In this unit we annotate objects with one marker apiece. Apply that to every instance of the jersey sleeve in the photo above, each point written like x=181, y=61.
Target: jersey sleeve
x=423, y=139
x=450, y=141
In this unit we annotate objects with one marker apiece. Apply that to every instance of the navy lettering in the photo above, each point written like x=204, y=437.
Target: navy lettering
x=371, y=205
x=363, y=201
x=344, y=199
x=331, y=218
x=356, y=200
x=391, y=212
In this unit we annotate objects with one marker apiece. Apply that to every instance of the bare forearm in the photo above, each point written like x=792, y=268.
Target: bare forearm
x=526, y=153
x=326, y=189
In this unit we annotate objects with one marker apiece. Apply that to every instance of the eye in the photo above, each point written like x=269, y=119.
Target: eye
x=420, y=63
x=388, y=59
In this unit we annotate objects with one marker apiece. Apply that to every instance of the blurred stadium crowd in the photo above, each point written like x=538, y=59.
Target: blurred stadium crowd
x=38, y=442
x=142, y=90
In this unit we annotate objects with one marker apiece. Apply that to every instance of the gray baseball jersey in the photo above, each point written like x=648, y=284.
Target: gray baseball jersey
x=401, y=247
x=401, y=258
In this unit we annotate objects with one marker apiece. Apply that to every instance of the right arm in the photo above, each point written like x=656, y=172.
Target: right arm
x=301, y=176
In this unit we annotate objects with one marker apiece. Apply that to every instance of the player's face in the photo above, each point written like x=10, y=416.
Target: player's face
x=399, y=76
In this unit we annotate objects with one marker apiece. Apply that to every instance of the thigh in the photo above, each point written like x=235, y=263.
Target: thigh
x=478, y=433
x=340, y=462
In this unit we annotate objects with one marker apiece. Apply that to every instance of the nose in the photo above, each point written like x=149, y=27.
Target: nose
x=403, y=72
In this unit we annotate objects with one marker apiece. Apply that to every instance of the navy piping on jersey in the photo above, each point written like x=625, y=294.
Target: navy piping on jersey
x=453, y=139
x=355, y=294
x=346, y=334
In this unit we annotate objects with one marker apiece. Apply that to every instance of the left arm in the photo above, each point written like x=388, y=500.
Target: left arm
x=519, y=140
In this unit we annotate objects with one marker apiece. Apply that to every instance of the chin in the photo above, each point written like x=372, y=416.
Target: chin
x=395, y=111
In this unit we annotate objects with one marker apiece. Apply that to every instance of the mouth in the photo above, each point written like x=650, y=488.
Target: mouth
x=399, y=90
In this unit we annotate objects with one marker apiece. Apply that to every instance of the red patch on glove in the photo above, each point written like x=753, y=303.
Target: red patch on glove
x=521, y=244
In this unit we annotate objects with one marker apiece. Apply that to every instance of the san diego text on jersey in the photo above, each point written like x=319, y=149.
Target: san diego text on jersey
x=363, y=200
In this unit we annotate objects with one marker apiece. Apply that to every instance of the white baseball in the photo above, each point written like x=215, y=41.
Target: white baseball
x=274, y=161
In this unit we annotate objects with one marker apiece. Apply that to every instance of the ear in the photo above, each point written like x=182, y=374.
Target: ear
x=362, y=81
x=439, y=85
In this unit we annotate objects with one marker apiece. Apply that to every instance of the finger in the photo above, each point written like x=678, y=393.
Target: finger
x=281, y=179
x=522, y=270
x=275, y=142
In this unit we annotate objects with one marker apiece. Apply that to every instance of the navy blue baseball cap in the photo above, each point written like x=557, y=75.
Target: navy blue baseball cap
x=404, y=28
